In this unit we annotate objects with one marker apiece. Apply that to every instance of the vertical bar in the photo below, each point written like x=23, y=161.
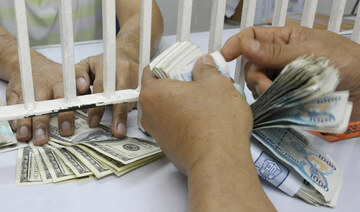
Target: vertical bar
x=67, y=49
x=184, y=20
x=109, y=39
x=145, y=44
x=24, y=54
x=280, y=12
x=308, y=15
x=247, y=20
x=356, y=32
x=336, y=15
x=216, y=24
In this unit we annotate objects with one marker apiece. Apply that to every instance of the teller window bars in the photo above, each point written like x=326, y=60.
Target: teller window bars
x=110, y=95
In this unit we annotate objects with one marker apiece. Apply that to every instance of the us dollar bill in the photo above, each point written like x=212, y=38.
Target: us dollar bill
x=96, y=167
x=27, y=170
x=79, y=169
x=82, y=131
x=126, y=150
x=117, y=167
x=57, y=168
x=44, y=171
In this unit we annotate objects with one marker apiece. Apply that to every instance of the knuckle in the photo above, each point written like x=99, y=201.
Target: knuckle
x=121, y=111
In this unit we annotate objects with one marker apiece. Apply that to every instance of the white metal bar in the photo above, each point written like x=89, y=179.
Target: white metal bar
x=184, y=20
x=356, y=32
x=216, y=24
x=145, y=36
x=57, y=105
x=336, y=15
x=145, y=45
x=24, y=56
x=67, y=49
x=308, y=15
x=109, y=39
x=280, y=11
x=247, y=20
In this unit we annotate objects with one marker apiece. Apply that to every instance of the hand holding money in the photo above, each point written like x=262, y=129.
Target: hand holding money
x=301, y=96
x=194, y=108
x=199, y=130
x=272, y=48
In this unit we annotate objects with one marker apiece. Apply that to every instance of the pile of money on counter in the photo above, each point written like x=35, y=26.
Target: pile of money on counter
x=89, y=152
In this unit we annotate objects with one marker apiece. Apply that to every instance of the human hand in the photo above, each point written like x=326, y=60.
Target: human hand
x=270, y=49
x=90, y=71
x=193, y=121
x=48, y=84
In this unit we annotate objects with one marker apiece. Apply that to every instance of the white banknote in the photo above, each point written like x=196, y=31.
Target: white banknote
x=311, y=163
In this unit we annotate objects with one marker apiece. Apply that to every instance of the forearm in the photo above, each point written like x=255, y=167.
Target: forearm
x=226, y=180
x=128, y=38
x=9, y=59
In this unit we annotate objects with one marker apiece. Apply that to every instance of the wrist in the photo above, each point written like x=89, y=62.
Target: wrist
x=128, y=46
x=216, y=151
x=226, y=180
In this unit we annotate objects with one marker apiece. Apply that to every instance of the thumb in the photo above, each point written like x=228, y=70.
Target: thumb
x=204, y=68
x=148, y=77
x=270, y=55
x=82, y=70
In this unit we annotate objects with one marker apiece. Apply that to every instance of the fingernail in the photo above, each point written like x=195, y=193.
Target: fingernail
x=253, y=45
x=208, y=60
x=23, y=132
x=81, y=82
x=39, y=134
x=121, y=129
x=95, y=120
x=65, y=128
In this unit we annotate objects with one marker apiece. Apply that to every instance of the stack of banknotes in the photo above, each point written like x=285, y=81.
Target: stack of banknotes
x=7, y=138
x=89, y=152
x=302, y=96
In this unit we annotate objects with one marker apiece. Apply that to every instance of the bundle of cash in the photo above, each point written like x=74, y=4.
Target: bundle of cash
x=302, y=96
x=89, y=152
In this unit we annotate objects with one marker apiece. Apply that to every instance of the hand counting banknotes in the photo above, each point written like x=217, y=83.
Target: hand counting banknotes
x=302, y=96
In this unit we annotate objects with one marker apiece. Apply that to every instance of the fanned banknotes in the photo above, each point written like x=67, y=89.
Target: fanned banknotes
x=302, y=96
x=89, y=152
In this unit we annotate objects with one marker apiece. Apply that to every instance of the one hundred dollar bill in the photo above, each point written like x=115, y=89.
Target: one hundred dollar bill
x=57, y=168
x=79, y=169
x=27, y=170
x=82, y=132
x=126, y=150
x=96, y=167
x=43, y=169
